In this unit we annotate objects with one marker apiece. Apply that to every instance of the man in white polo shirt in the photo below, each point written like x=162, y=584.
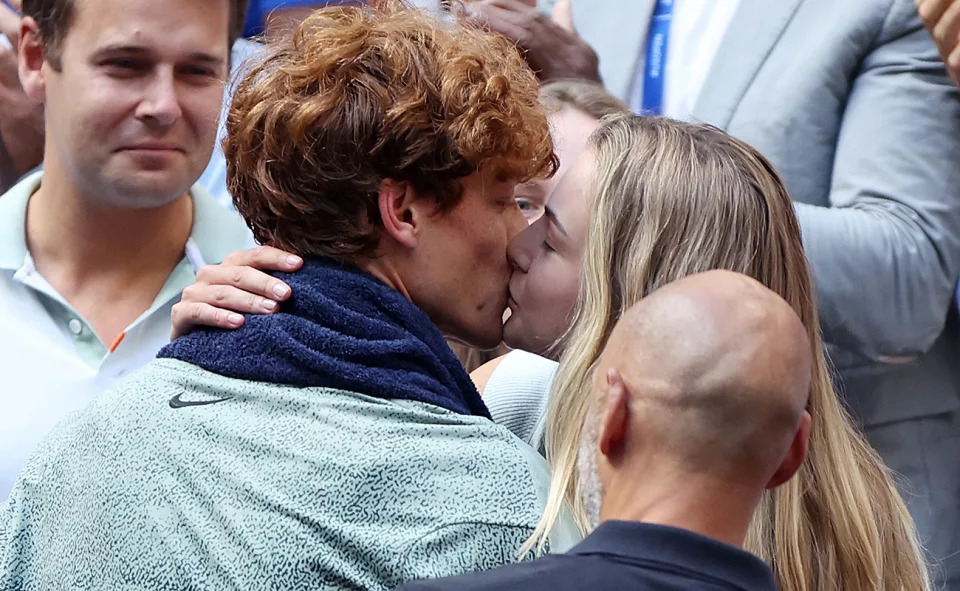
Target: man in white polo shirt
x=95, y=250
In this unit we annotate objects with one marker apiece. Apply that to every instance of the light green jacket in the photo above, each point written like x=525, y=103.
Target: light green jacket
x=157, y=486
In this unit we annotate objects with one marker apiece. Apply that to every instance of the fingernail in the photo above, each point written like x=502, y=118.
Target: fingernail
x=281, y=290
x=269, y=305
x=294, y=260
x=234, y=318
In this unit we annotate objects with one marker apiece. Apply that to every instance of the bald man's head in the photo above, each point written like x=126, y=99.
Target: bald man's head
x=714, y=373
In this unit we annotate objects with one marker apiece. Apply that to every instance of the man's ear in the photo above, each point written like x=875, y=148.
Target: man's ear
x=616, y=416
x=402, y=211
x=31, y=58
x=795, y=455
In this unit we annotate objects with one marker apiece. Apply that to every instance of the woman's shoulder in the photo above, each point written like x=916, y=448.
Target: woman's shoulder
x=516, y=368
x=515, y=388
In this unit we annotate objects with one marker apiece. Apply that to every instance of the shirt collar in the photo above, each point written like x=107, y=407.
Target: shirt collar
x=13, y=218
x=216, y=231
x=678, y=547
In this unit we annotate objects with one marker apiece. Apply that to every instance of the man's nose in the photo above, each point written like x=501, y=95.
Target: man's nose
x=161, y=102
x=518, y=250
x=517, y=223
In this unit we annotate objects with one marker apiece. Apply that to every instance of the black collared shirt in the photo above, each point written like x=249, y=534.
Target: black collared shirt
x=624, y=556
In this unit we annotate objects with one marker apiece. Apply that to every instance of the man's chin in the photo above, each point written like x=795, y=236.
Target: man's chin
x=148, y=191
x=484, y=341
x=487, y=342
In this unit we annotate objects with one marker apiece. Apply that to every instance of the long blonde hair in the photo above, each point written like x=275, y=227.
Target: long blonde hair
x=675, y=199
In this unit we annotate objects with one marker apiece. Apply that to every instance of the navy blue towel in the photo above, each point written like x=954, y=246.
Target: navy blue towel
x=342, y=328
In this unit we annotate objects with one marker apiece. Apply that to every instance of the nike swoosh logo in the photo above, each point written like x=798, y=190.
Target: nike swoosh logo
x=177, y=402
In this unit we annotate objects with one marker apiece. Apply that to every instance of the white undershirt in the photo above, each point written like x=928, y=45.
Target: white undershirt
x=696, y=29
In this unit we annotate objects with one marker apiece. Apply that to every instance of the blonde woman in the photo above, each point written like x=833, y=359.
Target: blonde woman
x=649, y=202
x=687, y=199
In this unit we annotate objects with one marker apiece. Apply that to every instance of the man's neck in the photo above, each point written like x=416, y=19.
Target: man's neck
x=382, y=268
x=108, y=262
x=717, y=509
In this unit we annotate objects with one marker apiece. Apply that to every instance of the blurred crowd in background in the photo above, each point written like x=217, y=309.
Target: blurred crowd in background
x=627, y=294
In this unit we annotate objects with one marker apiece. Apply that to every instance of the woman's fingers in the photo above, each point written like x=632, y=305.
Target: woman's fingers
x=265, y=258
x=187, y=316
x=223, y=293
x=244, y=278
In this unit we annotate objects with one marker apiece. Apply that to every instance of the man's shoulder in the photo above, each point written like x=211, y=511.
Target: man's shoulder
x=422, y=436
x=129, y=417
x=154, y=382
x=426, y=491
x=556, y=572
x=125, y=406
x=574, y=572
x=402, y=440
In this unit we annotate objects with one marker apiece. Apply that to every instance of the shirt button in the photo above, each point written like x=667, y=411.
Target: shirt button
x=75, y=326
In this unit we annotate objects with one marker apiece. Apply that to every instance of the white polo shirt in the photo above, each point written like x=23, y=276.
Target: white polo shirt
x=52, y=363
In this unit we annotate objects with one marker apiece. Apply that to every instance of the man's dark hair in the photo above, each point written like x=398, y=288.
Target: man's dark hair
x=54, y=17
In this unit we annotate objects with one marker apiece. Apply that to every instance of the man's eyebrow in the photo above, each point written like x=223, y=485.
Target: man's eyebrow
x=126, y=48
x=553, y=219
x=123, y=48
x=199, y=56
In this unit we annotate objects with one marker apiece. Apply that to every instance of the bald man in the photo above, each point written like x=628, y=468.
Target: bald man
x=698, y=406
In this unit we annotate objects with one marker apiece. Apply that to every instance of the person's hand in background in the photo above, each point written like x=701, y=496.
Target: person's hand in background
x=942, y=19
x=10, y=21
x=21, y=117
x=550, y=45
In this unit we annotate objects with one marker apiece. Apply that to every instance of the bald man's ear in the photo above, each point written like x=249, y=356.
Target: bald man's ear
x=401, y=211
x=795, y=455
x=616, y=416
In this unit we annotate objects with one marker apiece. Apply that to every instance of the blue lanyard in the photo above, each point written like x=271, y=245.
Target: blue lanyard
x=654, y=69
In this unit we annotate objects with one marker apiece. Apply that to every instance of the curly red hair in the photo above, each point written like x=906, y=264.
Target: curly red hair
x=363, y=94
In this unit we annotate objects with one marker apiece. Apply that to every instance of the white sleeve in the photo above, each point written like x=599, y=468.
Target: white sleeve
x=517, y=392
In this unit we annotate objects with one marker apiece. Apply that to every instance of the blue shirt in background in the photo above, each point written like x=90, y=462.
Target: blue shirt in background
x=260, y=9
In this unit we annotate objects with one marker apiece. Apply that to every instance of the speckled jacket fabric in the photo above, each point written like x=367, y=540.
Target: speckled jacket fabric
x=179, y=478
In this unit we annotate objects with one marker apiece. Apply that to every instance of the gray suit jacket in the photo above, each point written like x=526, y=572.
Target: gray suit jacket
x=849, y=100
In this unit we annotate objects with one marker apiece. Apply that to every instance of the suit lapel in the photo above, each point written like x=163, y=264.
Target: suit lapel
x=754, y=30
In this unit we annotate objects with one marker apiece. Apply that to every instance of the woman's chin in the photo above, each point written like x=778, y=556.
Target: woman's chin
x=514, y=338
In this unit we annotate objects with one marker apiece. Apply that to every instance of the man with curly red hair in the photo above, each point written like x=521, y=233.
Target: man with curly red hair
x=337, y=443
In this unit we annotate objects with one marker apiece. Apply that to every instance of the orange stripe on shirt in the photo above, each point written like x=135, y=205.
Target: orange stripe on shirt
x=117, y=341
